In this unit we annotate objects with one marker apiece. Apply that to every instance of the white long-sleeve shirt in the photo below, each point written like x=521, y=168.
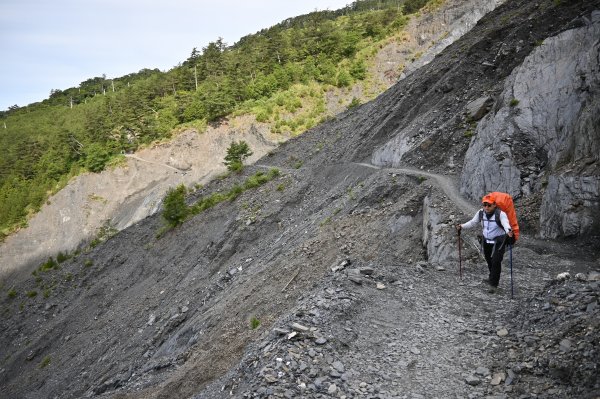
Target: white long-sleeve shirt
x=490, y=228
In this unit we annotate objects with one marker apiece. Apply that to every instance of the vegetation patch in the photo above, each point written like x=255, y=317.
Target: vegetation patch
x=254, y=323
x=176, y=211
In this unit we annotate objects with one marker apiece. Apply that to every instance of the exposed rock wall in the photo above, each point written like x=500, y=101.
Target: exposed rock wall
x=546, y=125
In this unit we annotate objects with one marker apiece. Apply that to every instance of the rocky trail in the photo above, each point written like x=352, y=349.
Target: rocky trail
x=339, y=277
x=398, y=327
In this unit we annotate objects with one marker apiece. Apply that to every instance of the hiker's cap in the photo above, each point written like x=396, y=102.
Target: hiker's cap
x=489, y=198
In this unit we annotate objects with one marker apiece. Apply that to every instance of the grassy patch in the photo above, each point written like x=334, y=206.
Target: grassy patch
x=254, y=323
x=204, y=203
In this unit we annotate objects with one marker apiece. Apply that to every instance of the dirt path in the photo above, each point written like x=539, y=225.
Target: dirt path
x=446, y=183
x=132, y=156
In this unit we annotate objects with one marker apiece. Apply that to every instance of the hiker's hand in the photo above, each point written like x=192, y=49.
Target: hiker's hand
x=510, y=233
x=458, y=227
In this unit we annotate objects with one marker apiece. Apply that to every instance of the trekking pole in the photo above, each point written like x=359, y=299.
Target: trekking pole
x=512, y=292
x=459, y=257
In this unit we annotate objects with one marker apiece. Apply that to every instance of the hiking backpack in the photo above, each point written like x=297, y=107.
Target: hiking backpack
x=505, y=203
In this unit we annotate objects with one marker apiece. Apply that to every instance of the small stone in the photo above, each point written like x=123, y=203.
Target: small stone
x=565, y=345
x=415, y=350
x=332, y=389
x=367, y=270
x=320, y=341
x=292, y=334
x=299, y=327
x=483, y=371
x=472, y=380
x=338, y=366
x=270, y=378
x=511, y=377
x=503, y=332
x=497, y=378
x=380, y=286
x=280, y=331
x=356, y=280
x=184, y=309
x=440, y=268
x=593, y=276
x=563, y=276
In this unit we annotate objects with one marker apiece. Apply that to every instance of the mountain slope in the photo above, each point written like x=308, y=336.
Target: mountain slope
x=353, y=253
x=122, y=195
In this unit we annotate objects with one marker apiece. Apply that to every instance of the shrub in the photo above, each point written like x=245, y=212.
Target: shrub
x=513, y=102
x=12, y=293
x=343, y=79
x=175, y=209
x=88, y=263
x=96, y=157
x=254, y=323
x=354, y=103
x=32, y=293
x=236, y=153
x=60, y=257
x=50, y=264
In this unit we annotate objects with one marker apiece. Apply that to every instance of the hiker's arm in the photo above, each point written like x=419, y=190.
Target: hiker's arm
x=471, y=223
x=505, y=223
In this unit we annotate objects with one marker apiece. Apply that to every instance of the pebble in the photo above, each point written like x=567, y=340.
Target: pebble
x=332, y=389
x=503, y=332
x=472, y=380
x=497, y=378
x=299, y=327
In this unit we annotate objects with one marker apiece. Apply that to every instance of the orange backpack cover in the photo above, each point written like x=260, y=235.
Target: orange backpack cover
x=504, y=201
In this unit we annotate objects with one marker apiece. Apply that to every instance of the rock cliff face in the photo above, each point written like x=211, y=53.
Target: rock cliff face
x=544, y=134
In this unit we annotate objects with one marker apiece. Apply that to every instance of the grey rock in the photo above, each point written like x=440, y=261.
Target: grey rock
x=338, y=366
x=476, y=109
x=367, y=270
x=472, y=380
x=299, y=328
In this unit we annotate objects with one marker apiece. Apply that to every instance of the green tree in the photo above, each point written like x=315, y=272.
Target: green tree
x=96, y=157
x=175, y=210
x=236, y=153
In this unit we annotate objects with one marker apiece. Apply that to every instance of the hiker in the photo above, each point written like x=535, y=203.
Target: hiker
x=496, y=236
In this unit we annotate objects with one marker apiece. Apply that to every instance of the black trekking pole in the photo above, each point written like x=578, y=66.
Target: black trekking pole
x=512, y=292
x=459, y=257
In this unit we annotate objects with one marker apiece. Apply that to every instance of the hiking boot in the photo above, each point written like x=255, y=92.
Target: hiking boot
x=493, y=290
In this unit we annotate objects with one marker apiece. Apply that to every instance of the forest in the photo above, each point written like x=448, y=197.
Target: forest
x=272, y=74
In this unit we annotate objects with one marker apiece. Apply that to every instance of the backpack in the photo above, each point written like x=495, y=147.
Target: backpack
x=504, y=202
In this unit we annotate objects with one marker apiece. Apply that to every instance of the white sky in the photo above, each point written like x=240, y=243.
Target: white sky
x=57, y=44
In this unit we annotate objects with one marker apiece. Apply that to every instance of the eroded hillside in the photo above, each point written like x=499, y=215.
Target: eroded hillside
x=121, y=196
x=339, y=277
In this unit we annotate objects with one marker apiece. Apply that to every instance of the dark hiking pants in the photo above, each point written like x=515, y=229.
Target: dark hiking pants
x=493, y=255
